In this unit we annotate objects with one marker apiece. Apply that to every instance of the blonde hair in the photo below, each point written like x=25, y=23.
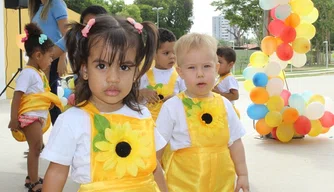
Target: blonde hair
x=193, y=41
x=34, y=6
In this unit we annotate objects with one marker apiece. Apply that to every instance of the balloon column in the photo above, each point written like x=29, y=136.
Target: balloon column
x=277, y=110
x=66, y=92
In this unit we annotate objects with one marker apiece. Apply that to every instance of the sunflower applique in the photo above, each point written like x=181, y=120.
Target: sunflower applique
x=122, y=149
x=160, y=89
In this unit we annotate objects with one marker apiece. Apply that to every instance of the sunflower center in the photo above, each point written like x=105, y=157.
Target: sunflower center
x=207, y=118
x=123, y=149
x=161, y=97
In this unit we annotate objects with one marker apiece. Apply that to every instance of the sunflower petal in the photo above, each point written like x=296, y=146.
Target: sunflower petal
x=103, y=156
x=140, y=163
x=103, y=146
x=120, y=168
x=132, y=169
x=145, y=152
x=109, y=164
x=108, y=135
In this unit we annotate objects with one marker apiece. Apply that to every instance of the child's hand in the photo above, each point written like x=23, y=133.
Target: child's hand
x=14, y=125
x=151, y=96
x=242, y=183
x=215, y=89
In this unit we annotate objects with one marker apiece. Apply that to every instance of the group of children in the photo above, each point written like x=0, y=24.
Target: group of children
x=187, y=139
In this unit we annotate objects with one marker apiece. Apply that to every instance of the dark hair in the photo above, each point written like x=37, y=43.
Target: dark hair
x=165, y=35
x=32, y=43
x=228, y=54
x=120, y=35
x=94, y=10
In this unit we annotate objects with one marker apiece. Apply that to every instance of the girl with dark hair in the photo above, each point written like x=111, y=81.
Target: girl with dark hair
x=32, y=100
x=108, y=139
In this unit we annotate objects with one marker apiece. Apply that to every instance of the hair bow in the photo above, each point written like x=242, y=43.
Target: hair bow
x=136, y=25
x=89, y=25
x=42, y=38
x=24, y=39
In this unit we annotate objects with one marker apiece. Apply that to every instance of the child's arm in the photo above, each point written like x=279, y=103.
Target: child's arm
x=159, y=177
x=232, y=95
x=239, y=160
x=55, y=178
x=14, y=122
x=151, y=96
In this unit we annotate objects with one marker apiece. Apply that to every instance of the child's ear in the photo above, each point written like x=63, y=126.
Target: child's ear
x=84, y=72
x=217, y=67
x=37, y=55
x=179, y=71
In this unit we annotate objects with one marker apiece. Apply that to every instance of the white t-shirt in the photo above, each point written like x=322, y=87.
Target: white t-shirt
x=163, y=76
x=172, y=124
x=30, y=82
x=69, y=142
x=227, y=84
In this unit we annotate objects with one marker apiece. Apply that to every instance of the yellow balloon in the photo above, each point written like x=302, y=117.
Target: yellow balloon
x=306, y=30
x=285, y=132
x=258, y=59
x=71, y=84
x=311, y=17
x=301, y=45
x=275, y=103
x=248, y=85
x=273, y=118
x=302, y=7
x=317, y=98
x=281, y=75
x=316, y=128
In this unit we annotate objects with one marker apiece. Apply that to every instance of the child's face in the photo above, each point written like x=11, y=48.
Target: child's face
x=109, y=84
x=44, y=60
x=224, y=66
x=165, y=57
x=198, y=69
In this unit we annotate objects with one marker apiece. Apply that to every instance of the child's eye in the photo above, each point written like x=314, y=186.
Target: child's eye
x=166, y=53
x=207, y=66
x=124, y=67
x=191, y=67
x=101, y=66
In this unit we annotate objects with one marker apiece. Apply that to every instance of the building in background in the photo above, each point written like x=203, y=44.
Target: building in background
x=221, y=28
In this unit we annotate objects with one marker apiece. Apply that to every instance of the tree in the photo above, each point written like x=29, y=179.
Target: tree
x=244, y=15
x=131, y=11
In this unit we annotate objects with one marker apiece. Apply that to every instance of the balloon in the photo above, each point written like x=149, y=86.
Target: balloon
x=293, y=20
x=260, y=79
x=305, y=30
x=298, y=60
x=60, y=92
x=273, y=118
x=249, y=72
x=288, y=34
x=257, y=112
x=301, y=45
x=329, y=104
x=19, y=43
x=311, y=17
x=259, y=95
x=71, y=99
x=284, y=52
x=282, y=11
x=63, y=101
x=276, y=27
x=275, y=86
x=285, y=132
x=262, y=128
x=316, y=128
x=275, y=103
x=290, y=115
x=274, y=58
x=302, y=7
x=273, y=69
x=297, y=101
x=269, y=45
x=307, y=95
x=285, y=94
x=272, y=13
x=67, y=92
x=324, y=130
x=302, y=125
x=71, y=84
x=315, y=110
x=258, y=59
x=317, y=98
x=248, y=85
x=273, y=133
x=267, y=5
x=327, y=119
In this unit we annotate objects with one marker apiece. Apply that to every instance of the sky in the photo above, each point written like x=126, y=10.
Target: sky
x=202, y=14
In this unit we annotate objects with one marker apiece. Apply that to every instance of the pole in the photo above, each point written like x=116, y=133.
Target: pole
x=21, y=65
x=326, y=54
x=158, y=18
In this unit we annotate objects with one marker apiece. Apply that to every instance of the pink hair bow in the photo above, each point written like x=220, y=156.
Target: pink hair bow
x=24, y=39
x=89, y=25
x=136, y=25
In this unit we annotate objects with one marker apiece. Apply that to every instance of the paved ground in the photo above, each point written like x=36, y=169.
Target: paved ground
x=305, y=165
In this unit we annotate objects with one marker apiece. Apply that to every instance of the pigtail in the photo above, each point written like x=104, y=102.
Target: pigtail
x=35, y=40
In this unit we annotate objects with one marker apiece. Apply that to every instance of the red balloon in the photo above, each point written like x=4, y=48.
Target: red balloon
x=273, y=133
x=288, y=34
x=285, y=94
x=284, y=52
x=276, y=27
x=273, y=13
x=71, y=99
x=302, y=125
x=327, y=120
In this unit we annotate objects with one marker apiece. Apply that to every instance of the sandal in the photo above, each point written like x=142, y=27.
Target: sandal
x=28, y=183
x=31, y=186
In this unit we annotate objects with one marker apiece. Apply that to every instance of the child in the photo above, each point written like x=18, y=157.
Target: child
x=205, y=137
x=162, y=81
x=108, y=140
x=227, y=85
x=32, y=100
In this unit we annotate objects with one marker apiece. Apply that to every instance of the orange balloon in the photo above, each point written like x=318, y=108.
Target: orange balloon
x=324, y=130
x=259, y=95
x=262, y=128
x=290, y=115
x=278, y=41
x=268, y=45
x=293, y=20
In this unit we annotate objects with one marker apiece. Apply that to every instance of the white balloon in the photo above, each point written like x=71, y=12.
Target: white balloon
x=60, y=92
x=273, y=69
x=275, y=86
x=282, y=2
x=268, y=4
x=329, y=104
x=275, y=58
x=63, y=101
x=315, y=110
x=298, y=60
x=283, y=11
